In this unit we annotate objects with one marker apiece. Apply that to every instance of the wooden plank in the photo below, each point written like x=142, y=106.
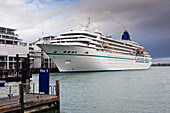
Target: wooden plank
x=30, y=101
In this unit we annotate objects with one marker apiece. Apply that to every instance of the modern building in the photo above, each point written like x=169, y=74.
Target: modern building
x=39, y=59
x=10, y=45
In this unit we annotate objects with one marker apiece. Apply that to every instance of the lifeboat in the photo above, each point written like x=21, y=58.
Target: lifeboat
x=140, y=49
x=105, y=44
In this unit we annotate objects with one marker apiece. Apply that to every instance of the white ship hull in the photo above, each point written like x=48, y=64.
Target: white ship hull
x=70, y=58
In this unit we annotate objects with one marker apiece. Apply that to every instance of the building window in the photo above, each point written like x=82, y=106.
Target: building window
x=10, y=58
x=3, y=36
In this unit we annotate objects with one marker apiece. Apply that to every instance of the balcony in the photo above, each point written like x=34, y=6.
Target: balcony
x=8, y=33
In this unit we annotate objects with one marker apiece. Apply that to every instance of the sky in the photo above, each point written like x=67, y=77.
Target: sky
x=148, y=21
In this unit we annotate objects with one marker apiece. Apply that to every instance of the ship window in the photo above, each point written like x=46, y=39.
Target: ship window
x=64, y=51
x=72, y=52
x=68, y=60
x=55, y=51
x=139, y=61
x=85, y=52
x=68, y=51
x=76, y=52
x=69, y=34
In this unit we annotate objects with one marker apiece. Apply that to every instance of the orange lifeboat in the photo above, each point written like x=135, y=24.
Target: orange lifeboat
x=140, y=49
x=105, y=44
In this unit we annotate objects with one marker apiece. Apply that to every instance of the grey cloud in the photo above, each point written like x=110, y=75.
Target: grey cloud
x=146, y=20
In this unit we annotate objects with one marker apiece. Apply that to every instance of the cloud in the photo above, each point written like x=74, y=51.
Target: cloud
x=20, y=15
x=146, y=20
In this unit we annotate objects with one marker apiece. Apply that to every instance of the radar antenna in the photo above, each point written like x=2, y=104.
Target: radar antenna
x=87, y=25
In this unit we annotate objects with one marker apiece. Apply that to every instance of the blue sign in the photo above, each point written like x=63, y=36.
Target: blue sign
x=44, y=80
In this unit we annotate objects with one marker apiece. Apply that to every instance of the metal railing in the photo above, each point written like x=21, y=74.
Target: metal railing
x=10, y=93
x=52, y=90
x=13, y=90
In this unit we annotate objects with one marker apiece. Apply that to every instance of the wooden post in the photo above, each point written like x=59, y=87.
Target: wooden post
x=27, y=85
x=28, y=66
x=10, y=92
x=58, y=93
x=6, y=74
x=33, y=88
x=21, y=96
x=1, y=74
x=17, y=65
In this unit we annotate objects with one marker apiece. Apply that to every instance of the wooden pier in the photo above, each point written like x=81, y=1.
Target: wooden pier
x=30, y=102
x=33, y=103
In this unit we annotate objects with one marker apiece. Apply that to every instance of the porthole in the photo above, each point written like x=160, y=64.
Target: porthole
x=69, y=51
x=64, y=51
x=75, y=51
x=72, y=52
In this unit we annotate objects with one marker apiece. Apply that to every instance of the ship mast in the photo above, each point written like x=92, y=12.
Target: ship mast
x=88, y=24
x=89, y=21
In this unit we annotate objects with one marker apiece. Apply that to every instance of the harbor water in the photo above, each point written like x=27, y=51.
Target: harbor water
x=143, y=91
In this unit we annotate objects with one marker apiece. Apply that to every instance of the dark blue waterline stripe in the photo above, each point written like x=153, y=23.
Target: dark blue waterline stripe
x=98, y=71
x=98, y=56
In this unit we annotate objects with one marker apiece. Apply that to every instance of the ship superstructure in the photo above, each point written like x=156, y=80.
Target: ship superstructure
x=85, y=50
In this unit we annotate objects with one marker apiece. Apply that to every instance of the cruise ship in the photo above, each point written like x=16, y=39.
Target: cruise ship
x=87, y=50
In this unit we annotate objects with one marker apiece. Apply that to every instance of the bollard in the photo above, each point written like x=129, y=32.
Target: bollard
x=21, y=96
x=58, y=93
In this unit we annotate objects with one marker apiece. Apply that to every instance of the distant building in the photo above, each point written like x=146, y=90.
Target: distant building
x=39, y=59
x=10, y=45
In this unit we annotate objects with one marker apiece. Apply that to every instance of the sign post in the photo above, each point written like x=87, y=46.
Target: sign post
x=44, y=80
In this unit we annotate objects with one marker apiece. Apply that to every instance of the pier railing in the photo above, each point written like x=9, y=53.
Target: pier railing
x=13, y=90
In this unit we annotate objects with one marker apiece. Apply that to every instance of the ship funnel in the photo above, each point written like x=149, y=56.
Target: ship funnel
x=126, y=36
